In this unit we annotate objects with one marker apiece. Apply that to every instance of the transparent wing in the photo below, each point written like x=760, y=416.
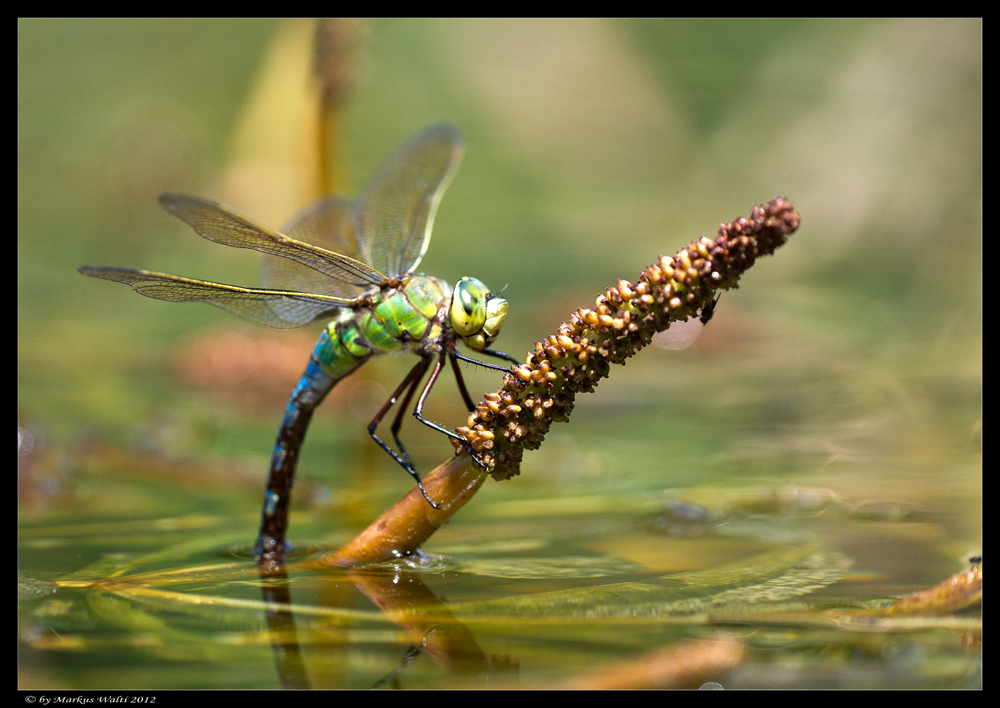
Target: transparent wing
x=274, y=308
x=326, y=224
x=395, y=211
x=223, y=224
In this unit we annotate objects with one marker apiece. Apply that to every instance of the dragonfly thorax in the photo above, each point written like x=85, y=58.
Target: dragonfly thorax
x=476, y=314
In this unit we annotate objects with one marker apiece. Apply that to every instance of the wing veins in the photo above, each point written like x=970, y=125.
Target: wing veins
x=222, y=224
x=255, y=304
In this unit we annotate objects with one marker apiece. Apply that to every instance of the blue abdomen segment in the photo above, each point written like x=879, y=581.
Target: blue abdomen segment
x=310, y=391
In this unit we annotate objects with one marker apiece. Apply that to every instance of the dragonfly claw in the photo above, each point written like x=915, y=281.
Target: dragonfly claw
x=475, y=457
x=420, y=486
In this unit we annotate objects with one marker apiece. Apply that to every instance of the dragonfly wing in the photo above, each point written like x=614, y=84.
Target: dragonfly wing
x=326, y=224
x=395, y=211
x=223, y=224
x=274, y=308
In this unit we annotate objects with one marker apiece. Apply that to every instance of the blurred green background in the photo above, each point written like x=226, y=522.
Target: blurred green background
x=850, y=360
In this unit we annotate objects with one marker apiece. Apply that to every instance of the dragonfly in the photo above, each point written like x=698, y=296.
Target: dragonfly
x=352, y=262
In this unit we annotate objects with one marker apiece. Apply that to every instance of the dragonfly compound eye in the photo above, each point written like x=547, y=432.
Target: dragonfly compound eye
x=496, y=312
x=468, y=307
x=476, y=315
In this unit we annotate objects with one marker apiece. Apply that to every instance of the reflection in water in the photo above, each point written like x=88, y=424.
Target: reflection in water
x=281, y=628
x=554, y=624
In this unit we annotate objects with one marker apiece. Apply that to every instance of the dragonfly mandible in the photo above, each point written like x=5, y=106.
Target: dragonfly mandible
x=352, y=262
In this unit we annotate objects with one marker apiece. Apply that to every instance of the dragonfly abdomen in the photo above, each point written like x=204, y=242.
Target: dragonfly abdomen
x=307, y=394
x=342, y=347
x=405, y=317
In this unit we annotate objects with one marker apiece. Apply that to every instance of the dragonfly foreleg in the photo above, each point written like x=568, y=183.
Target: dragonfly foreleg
x=455, y=356
x=461, y=382
x=417, y=412
x=501, y=355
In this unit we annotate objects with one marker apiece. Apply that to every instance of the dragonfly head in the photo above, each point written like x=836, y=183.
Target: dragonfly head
x=476, y=314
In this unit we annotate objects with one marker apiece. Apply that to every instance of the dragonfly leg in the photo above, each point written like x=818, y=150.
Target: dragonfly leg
x=455, y=356
x=465, y=394
x=501, y=355
x=412, y=380
x=419, y=409
x=397, y=423
x=461, y=382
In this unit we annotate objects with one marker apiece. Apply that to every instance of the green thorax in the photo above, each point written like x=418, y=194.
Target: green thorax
x=406, y=316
